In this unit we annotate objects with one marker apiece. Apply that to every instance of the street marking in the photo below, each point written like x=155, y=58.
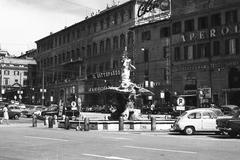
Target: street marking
x=106, y=157
x=117, y=138
x=159, y=149
x=46, y=138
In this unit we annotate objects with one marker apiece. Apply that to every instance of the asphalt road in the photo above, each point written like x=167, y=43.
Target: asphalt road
x=20, y=141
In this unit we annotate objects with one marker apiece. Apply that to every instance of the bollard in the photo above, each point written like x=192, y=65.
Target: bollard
x=121, y=123
x=67, y=124
x=44, y=121
x=153, y=123
x=34, y=120
x=86, y=124
x=55, y=122
x=50, y=122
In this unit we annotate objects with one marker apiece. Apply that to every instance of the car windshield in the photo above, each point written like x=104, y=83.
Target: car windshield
x=183, y=114
x=218, y=112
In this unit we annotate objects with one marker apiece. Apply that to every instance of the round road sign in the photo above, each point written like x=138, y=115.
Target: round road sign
x=181, y=101
x=73, y=104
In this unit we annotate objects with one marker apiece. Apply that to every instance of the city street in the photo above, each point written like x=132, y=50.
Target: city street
x=20, y=141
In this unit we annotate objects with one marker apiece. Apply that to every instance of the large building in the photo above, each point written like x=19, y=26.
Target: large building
x=84, y=58
x=196, y=51
x=14, y=78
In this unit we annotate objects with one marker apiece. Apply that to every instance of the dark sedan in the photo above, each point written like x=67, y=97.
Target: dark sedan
x=13, y=114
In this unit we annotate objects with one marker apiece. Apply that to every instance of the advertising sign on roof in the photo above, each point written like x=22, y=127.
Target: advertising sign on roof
x=148, y=11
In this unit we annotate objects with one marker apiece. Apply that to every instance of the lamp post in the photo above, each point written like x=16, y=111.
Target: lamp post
x=43, y=97
x=20, y=92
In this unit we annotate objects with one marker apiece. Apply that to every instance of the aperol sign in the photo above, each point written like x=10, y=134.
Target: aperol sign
x=152, y=10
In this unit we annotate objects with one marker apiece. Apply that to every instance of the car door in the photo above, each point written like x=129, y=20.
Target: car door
x=209, y=121
x=194, y=119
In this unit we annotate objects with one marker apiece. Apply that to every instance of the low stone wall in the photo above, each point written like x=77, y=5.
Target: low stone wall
x=114, y=125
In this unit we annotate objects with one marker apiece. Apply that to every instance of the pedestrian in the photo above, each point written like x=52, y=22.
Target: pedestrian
x=5, y=114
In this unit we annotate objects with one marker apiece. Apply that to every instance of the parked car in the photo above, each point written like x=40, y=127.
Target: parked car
x=13, y=113
x=200, y=119
x=54, y=110
x=33, y=109
x=231, y=125
x=229, y=109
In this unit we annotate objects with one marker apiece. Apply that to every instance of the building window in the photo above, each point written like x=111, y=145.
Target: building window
x=89, y=28
x=165, y=51
x=231, y=17
x=216, y=48
x=177, y=54
x=216, y=20
x=78, y=52
x=6, y=81
x=95, y=27
x=107, y=66
x=115, y=19
x=94, y=48
x=89, y=50
x=68, y=55
x=189, y=25
x=115, y=64
x=73, y=55
x=25, y=73
x=146, y=35
x=177, y=28
x=55, y=59
x=6, y=72
x=122, y=16
x=94, y=70
x=165, y=32
x=108, y=22
x=101, y=67
x=188, y=52
x=25, y=82
x=16, y=73
x=130, y=13
x=232, y=46
x=101, y=47
x=130, y=38
x=146, y=55
x=115, y=42
x=102, y=24
x=64, y=57
x=122, y=41
x=203, y=50
x=108, y=45
x=202, y=22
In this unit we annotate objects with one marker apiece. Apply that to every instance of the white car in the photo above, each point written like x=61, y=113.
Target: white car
x=200, y=119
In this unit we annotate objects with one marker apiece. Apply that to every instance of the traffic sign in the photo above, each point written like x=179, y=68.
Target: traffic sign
x=180, y=101
x=180, y=108
x=74, y=104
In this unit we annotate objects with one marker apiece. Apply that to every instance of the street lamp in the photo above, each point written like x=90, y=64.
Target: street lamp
x=20, y=92
x=43, y=97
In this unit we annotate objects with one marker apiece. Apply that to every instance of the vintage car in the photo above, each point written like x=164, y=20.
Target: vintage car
x=229, y=109
x=13, y=113
x=54, y=110
x=200, y=119
x=33, y=109
x=231, y=125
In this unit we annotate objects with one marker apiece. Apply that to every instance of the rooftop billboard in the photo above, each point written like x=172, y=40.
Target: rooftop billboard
x=148, y=11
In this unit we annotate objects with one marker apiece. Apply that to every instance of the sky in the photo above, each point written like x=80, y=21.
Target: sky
x=25, y=21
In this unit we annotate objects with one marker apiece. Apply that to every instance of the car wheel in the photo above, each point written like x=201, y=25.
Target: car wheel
x=232, y=134
x=189, y=130
x=16, y=116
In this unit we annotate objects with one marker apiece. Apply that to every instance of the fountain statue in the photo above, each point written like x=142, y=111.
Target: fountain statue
x=127, y=93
